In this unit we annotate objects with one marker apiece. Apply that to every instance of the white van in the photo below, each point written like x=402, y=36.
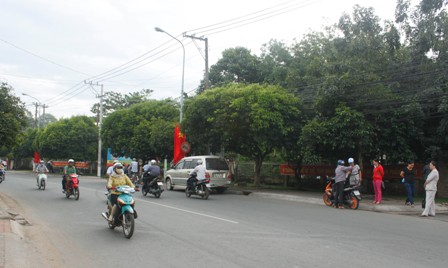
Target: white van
x=216, y=167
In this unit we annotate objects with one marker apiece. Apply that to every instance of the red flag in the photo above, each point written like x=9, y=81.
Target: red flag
x=179, y=138
x=36, y=157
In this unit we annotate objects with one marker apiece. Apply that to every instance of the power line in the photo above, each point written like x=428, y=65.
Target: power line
x=42, y=58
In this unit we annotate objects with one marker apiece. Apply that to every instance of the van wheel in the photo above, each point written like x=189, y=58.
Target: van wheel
x=169, y=186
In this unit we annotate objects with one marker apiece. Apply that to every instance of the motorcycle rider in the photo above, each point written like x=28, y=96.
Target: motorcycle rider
x=2, y=169
x=118, y=178
x=68, y=169
x=41, y=168
x=199, y=170
x=339, y=182
x=151, y=173
x=110, y=169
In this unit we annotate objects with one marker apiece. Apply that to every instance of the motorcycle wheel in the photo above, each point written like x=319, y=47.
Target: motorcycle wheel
x=68, y=193
x=76, y=193
x=157, y=195
x=354, y=202
x=42, y=184
x=128, y=225
x=327, y=200
x=187, y=192
x=206, y=193
x=144, y=191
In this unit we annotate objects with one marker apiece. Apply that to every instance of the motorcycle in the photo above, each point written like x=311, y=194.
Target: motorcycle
x=2, y=175
x=135, y=178
x=125, y=211
x=199, y=188
x=41, y=180
x=154, y=187
x=72, y=187
x=352, y=196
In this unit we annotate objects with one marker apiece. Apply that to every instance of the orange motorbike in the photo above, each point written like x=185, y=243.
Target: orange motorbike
x=352, y=196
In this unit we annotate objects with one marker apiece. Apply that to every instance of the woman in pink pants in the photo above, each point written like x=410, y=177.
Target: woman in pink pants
x=378, y=174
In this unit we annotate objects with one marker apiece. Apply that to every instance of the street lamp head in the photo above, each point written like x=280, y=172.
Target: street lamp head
x=159, y=30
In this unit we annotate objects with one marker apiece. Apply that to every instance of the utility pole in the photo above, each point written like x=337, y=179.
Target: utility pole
x=100, y=123
x=36, y=125
x=207, y=83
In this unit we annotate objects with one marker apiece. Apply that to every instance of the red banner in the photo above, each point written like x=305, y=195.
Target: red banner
x=36, y=159
x=179, y=139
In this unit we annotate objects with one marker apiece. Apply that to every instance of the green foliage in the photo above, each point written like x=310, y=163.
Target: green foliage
x=76, y=137
x=25, y=147
x=144, y=130
x=113, y=101
x=12, y=117
x=251, y=120
x=237, y=65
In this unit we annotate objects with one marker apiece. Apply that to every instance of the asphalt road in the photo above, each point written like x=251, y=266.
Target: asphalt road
x=225, y=231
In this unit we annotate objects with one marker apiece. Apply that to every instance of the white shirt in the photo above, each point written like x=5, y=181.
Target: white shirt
x=110, y=170
x=200, y=171
x=134, y=166
x=431, y=181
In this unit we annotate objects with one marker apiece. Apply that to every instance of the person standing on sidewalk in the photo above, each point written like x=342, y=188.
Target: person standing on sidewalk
x=431, y=190
x=408, y=175
x=355, y=176
x=339, y=182
x=378, y=174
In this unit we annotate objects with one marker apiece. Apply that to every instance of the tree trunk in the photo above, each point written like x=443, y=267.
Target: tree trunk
x=257, y=175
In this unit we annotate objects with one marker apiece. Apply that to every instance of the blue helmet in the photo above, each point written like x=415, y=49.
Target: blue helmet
x=340, y=162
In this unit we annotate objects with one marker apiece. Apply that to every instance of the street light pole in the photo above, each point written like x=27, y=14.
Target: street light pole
x=183, y=72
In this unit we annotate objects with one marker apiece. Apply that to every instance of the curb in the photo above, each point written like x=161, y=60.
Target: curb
x=385, y=207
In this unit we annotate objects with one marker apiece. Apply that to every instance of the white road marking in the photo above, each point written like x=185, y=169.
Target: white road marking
x=192, y=212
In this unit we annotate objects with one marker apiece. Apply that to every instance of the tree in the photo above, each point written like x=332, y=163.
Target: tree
x=113, y=101
x=237, y=65
x=26, y=145
x=12, y=117
x=76, y=137
x=144, y=130
x=251, y=120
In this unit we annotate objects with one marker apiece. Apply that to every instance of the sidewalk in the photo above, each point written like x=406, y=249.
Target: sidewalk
x=388, y=205
x=14, y=248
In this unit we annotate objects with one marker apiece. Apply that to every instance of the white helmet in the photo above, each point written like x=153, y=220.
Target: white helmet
x=351, y=160
x=199, y=162
x=153, y=162
x=118, y=165
x=71, y=161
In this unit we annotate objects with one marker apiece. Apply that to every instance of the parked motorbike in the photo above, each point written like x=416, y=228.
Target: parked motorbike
x=200, y=188
x=41, y=180
x=352, y=196
x=72, y=187
x=154, y=187
x=2, y=175
x=125, y=211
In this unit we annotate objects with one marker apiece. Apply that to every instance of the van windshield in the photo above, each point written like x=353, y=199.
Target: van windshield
x=216, y=164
